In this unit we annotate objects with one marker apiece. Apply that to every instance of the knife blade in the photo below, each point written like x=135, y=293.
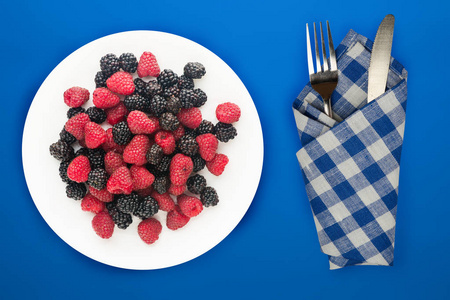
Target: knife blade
x=380, y=58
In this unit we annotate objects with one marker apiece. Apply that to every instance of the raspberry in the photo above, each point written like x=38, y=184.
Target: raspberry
x=185, y=82
x=209, y=197
x=102, y=195
x=104, y=98
x=187, y=145
x=194, y=70
x=79, y=169
x=167, y=78
x=225, y=132
x=128, y=62
x=158, y=105
x=147, y=208
x=181, y=167
x=96, y=158
x=61, y=151
x=217, y=164
x=189, y=206
x=63, y=171
x=120, y=182
x=149, y=230
x=97, y=179
x=165, y=202
x=177, y=190
x=116, y=114
x=109, y=64
x=145, y=192
x=121, y=83
x=161, y=184
x=95, y=135
x=100, y=79
x=168, y=121
x=127, y=203
x=110, y=145
x=178, y=133
x=76, y=96
x=228, y=113
x=173, y=105
x=140, y=123
x=205, y=127
x=176, y=219
x=191, y=117
x=200, y=98
x=121, y=133
x=166, y=141
x=196, y=184
x=113, y=161
x=75, y=125
x=187, y=98
x=103, y=225
x=148, y=66
x=199, y=163
x=92, y=204
x=96, y=114
x=207, y=146
x=76, y=190
x=136, y=102
x=136, y=150
x=122, y=220
x=141, y=177
x=73, y=111
x=154, y=154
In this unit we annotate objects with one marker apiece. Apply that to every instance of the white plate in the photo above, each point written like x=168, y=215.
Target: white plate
x=236, y=186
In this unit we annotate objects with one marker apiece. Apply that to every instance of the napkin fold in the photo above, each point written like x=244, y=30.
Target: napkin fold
x=351, y=168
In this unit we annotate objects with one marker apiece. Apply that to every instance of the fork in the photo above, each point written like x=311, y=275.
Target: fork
x=325, y=79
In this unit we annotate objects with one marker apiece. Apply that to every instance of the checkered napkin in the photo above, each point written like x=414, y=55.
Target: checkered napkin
x=351, y=168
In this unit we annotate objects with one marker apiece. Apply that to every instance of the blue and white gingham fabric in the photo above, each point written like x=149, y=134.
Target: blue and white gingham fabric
x=351, y=168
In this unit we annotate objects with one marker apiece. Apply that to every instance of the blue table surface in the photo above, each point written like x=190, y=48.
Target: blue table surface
x=273, y=253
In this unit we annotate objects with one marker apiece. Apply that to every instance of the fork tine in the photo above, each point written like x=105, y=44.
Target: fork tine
x=308, y=50
x=324, y=53
x=318, y=64
x=333, y=64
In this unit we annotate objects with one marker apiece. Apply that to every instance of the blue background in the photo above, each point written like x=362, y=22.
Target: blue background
x=274, y=252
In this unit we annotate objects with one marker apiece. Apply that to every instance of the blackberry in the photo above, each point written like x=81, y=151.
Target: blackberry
x=158, y=105
x=63, y=171
x=136, y=102
x=167, y=78
x=205, y=127
x=127, y=203
x=128, y=62
x=171, y=91
x=154, y=88
x=61, y=151
x=67, y=137
x=199, y=163
x=194, y=70
x=196, y=184
x=188, y=145
x=147, y=208
x=72, y=112
x=82, y=151
x=100, y=79
x=164, y=165
x=109, y=64
x=122, y=220
x=121, y=133
x=187, y=98
x=200, y=98
x=96, y=114
x=185, y=82
x=209, y=197
x=76, y=190
x=161, y=184
x=173, y=105
x=168, y=121
x=111, y=205
x=97, y=178
x=224, y=132
x=96, y=158
x=141, y=88
x=190, y=132
x=154, y=154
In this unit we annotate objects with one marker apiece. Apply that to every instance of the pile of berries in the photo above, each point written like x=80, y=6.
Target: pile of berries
x=148, y=160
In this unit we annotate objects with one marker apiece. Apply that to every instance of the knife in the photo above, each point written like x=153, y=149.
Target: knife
x=380, y=58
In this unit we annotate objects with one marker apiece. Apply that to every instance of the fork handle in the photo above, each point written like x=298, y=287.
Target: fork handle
x=327, y=107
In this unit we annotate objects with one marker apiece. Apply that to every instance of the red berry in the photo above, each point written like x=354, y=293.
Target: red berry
x=76, y=96
x=102, y=195
x=103, y=225
x=176, y=219
x=136, y=150
x=181, y=167
x=166, y=141
x=165, y=202
x=217, y=164
x=113, y=161
x=142, y=178
x=178, y=133
x=207, y=145
x=75, y=125
x=149, y=230
x=145, y=192
x=177, y=190
x=189, y=206
x=110, y=145
x=190, y=117
x=140, y=123
x=148, y=66
x=94, y=135
x=228, y=113
x=92, y=204
x=79, y=169
x=116, y=114
x=121, y=83
x=104, y=98
x=120, y=182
